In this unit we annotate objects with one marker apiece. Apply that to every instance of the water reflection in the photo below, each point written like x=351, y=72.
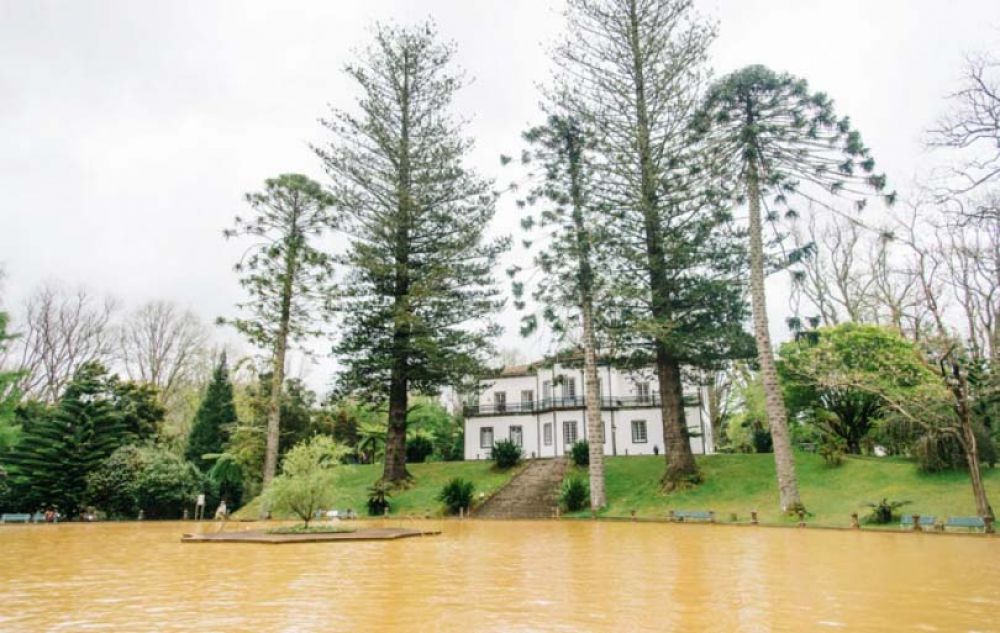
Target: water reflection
x=502, y=576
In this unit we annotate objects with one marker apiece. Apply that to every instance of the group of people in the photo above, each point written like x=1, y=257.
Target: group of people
x=221, y=513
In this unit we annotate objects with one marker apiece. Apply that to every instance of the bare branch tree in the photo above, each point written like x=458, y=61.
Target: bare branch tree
x=62, y=330
x=162, y=345
x=972, y=128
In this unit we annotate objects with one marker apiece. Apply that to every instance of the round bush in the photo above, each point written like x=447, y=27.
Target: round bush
x=580, y=452
x=575, y=494
x=418, y=449
x=506, y=454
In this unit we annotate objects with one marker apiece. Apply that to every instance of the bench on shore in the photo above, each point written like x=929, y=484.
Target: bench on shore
x=972, y=523
x=15, y=518
x=681, y=516
x=924, y=523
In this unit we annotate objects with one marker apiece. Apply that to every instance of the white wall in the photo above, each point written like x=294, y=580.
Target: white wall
x=613, y=383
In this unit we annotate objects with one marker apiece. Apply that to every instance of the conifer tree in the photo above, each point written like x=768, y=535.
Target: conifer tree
x=780, y=140
x=633, y=72
x=419, y=281
x=214, y=419
x=571, y=259
x=57, y=451
x=288, y=277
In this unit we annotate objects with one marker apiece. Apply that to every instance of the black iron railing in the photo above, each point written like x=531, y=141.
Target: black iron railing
x=576, y=402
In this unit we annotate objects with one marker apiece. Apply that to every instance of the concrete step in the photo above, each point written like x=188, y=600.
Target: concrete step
x=531, y=494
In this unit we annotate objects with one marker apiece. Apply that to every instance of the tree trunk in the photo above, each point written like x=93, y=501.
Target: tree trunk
x=395, y=441
x=280, y=349
x=784, y=460
x=968, y=441
x=274, y=406
x=394, y=470
x=681, y=468
x=983, y=507
x=677, y=449
x=595, y=425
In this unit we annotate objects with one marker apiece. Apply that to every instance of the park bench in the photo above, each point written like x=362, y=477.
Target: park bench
x=15, y=518
x=926, y=523
x=692, y=515
x=972, y=523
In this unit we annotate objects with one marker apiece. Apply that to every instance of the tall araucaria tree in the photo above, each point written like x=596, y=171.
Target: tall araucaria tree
x=571, y=259
x=419, y=284
x=633, y=71
x=781, y=141
x=288, y=277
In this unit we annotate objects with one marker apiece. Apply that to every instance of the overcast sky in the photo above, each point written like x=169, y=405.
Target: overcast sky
x=130, y=130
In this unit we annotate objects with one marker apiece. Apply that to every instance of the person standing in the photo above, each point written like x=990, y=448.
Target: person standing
x=199, y=507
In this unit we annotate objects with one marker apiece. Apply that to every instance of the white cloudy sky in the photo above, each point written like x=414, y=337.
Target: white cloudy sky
x=129, y=130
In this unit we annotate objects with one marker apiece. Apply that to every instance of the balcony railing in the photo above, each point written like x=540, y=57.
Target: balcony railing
x=577, y=402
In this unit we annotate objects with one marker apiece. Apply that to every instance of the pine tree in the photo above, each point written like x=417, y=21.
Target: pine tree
x=571, y=259
x=57, y=451
x=633, y=71
x=420, y=283
x=780, y=140
x=287, y=276
x=215, y=417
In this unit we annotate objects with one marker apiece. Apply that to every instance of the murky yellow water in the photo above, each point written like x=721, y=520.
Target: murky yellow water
x=502, y=576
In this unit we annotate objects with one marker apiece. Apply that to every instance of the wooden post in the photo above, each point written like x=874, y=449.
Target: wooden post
x=854, y=521
x=802, y=518
x=916, y=523
x=753, y=517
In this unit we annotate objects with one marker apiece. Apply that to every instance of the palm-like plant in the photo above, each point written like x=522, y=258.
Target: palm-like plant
x=777, y=140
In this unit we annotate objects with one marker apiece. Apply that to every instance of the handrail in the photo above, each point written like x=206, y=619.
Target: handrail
x=574, y=402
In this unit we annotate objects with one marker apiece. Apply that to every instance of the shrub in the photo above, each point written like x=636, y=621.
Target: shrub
x=884, y=511
x=762, y=441
x=456, y=494
x=832, y=449
x=418, y=449
x=378, y=498
x=936, y=453
x=575, y=494
x=308, y=478
x=580, y=452
x=506, y=454
x=149, y=478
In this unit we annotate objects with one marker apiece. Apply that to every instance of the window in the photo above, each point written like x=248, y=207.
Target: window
x=486, y=437
x=527, y=400
x=642, y=391
x=546, y=390
x=547, y=433
x=517, y=435
x=500, y=401
x=639, y=432
x=569, y=388
x=569, y=432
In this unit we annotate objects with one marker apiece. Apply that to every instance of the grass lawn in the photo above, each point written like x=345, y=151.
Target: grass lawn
x=419, y=498
x=741, y=483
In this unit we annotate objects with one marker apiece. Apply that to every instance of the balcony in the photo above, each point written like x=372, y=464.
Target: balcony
x=578, y=402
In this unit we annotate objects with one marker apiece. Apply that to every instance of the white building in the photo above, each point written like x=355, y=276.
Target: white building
x=541, y=406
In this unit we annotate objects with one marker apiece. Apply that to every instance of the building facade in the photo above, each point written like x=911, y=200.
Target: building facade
x=542, y=408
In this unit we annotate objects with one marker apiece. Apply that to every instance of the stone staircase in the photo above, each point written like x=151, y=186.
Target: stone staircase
x=531, y=494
